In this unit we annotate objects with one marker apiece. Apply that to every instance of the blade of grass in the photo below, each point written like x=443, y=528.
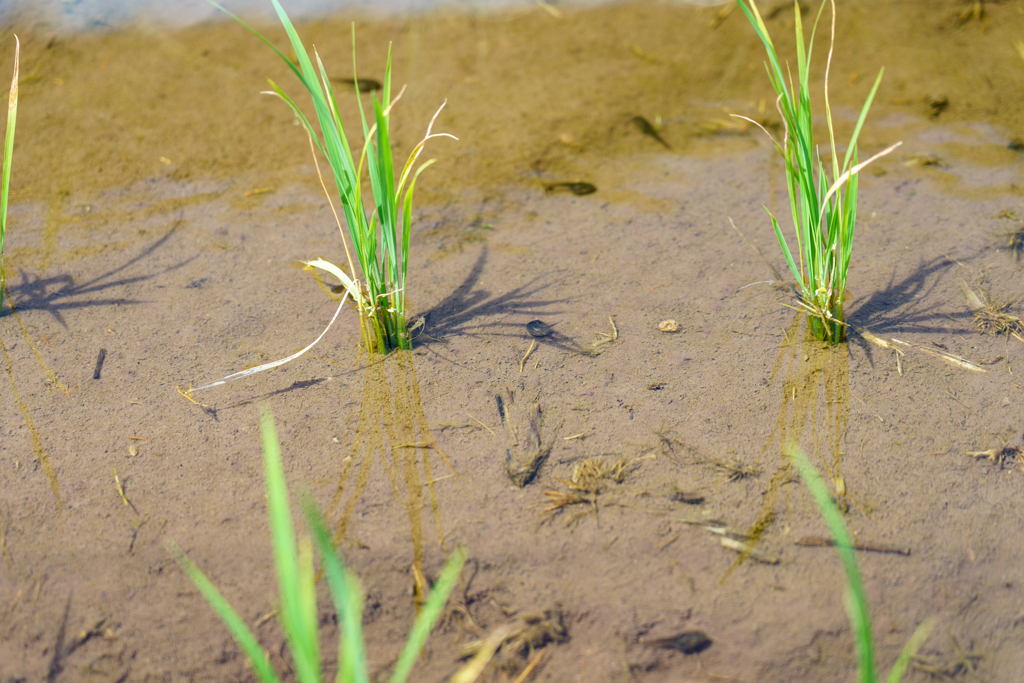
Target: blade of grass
x=921, y=634
x=856, y=603
x=236, y=625
x=5, y=181
x=348, y=601
x=428, y=615
x=294, y=612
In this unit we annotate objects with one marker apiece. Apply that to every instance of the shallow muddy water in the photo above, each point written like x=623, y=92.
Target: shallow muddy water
x=158, y=202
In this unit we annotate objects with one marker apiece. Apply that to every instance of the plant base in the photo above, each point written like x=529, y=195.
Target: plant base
x=830, y=331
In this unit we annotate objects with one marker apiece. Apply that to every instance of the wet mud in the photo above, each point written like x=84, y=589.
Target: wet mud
x=618, y=481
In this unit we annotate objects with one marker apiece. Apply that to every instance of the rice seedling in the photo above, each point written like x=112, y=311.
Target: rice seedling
x=296, y=578
x=856, y=602
x=5, y=178
x=824, y=206
x=379, y=237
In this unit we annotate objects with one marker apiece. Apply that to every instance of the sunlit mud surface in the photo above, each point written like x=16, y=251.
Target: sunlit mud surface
x=159, y=204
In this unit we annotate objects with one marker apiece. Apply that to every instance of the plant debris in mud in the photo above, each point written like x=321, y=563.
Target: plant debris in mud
x=735, y=469
x=602, y=341
x=523, y=637
x=589, y=479
x=523, y=470
x=1015, y=241
x=962, y=663
x=990, y=314
x=1002, y=456
x=577, y=188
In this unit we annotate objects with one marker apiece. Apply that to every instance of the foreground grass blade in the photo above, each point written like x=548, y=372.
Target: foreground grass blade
x=295, y=609
x=348, y=601
x=428, y=615
x=236, y=625
x=921, y=634
x=856, y=603
x=5, y=179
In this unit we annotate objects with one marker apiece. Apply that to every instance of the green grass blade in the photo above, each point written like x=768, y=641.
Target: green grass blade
x=852, y=149
x=921, y=634
x=785, y=249
x=256, y=33
x=428, y=616
x=775, y=71
x=856, y=603
x=302, y=639
x=348, y=601
x=12, y=117
x=239, y=631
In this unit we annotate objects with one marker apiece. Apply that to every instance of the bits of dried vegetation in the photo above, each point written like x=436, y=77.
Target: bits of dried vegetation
x=1003, y=456
x=990, y=315
x=523, y=637
x=735, y=469
x=523, y=469
x=589, y=479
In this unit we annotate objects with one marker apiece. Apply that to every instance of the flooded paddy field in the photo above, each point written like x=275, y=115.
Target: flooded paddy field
x=158, y=205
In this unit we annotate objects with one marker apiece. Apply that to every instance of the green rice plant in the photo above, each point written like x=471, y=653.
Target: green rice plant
x=824, y=207
x=380, y=238
x=5, y=178
x=296, y=579
x=856, y=602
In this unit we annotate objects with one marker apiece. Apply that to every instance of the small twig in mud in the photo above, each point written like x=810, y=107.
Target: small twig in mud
x=482, y=424
x=748, y=550
x=522, y=638
x=821, y=541
x=522, y=361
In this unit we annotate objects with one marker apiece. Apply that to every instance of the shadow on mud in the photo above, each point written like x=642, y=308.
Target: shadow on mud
x=54, y=294
x=455, y=315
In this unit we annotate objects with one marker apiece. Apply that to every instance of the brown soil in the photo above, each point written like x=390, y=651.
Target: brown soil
x=153, y=186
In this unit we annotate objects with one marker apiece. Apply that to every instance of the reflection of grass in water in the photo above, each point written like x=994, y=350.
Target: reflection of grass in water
x=815, y=389
x=391, y=426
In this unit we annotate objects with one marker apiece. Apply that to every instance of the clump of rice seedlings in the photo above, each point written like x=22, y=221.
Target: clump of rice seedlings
x=856, y=603
x=380, y=236
x=5, y=177
x=297, y=611
x=824, y=205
